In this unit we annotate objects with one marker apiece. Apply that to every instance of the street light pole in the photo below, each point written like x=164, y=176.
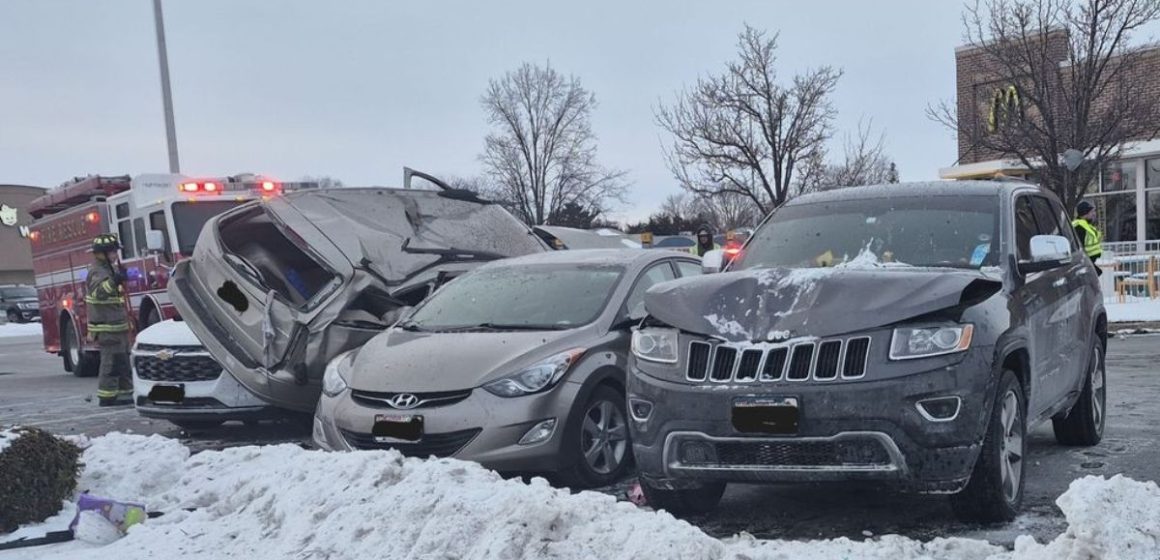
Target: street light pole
x=166, y=96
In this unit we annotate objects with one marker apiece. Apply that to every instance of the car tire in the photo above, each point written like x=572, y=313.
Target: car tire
x=14, y=317
x=76, y=359
x=597, y=442
x=995, y=490
x=198, y=425
x=683, y=501
x=1083, y=425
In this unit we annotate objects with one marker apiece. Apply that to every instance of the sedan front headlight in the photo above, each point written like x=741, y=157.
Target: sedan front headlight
x=655, y=345
x=334, y=379
x=537, y=378
x=923, y=342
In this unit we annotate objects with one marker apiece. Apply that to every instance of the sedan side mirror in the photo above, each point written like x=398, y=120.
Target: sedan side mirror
x=1047, y=252
x=713, y=261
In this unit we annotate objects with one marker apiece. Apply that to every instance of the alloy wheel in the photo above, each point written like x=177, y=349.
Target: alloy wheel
x=1011, y=452
x=604, y=440
x=1099, y=389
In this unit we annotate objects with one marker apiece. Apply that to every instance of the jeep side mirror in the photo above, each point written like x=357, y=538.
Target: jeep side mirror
x=1047, y=252
x=713, y=261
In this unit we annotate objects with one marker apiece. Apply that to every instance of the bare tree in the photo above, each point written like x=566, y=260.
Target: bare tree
x=541, y=153
x=728, y=211
x=742, y=131
x=1068, y=83
x=864, y=163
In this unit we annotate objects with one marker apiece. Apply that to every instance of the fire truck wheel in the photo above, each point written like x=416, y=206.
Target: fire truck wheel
x=76, y=360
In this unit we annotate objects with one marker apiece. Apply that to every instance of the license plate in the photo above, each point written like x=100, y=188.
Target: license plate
x=394, y=427
x=167, y=394
x=766, y=415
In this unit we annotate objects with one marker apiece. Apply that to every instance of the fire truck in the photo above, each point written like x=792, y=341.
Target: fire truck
x=157, y=217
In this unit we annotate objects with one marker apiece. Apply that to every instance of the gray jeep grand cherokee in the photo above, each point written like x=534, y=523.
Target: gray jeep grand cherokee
x=901, y=333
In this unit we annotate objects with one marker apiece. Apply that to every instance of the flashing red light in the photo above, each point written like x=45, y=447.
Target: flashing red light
x=92, y=217
x=189, y=187
x=269, y=186
x=732, y=251
x=210, y=186
x=34, y=235
x=66, y=303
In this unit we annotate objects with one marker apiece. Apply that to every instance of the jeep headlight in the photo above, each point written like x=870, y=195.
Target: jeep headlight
x=334, y=379
x=537, y=378
x=655, y=345
x=923, y=342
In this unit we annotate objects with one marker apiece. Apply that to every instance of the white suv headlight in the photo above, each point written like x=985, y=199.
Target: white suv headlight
x=655, y=345
x=909, y=343
x=334, y=379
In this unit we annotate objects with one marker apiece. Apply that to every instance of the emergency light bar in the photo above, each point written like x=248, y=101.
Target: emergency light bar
x=213, y=187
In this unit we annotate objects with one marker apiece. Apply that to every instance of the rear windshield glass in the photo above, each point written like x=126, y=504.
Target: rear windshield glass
x=935, y=231
x=547, y=297
x=258, y=248
x=190, y=217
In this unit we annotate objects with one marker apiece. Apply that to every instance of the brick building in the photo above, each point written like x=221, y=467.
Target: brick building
x=1127, y=196
x=15, y=250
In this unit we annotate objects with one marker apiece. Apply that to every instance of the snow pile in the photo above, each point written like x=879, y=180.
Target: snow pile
x=285, y=502
x=7, y=436
x=20, y=329
x=1134, y=311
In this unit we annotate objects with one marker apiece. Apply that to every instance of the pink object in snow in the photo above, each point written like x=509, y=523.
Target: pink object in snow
x=635, y=494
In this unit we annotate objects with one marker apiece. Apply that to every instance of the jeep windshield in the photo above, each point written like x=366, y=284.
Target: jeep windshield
x=934, y=231
x=555, y=297
x=18, y=292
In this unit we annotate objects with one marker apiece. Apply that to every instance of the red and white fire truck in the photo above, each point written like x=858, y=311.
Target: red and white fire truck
x=157, y=218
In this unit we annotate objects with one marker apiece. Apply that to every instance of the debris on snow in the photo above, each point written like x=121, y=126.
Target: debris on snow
x=283, y=501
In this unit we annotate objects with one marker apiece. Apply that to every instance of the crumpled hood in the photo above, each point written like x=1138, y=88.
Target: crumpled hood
x=775, y=304
x=418, y=362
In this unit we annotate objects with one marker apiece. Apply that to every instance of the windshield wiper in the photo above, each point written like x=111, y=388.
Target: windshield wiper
x=506, y=327
x=451, y=253
x=410, y=326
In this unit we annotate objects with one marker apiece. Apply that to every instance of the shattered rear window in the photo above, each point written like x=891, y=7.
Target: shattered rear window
x=935, y=231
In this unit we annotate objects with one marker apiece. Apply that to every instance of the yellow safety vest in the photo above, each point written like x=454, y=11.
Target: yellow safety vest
x=1092, y=245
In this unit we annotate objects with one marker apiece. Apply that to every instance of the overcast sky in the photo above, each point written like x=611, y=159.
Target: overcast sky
x=358, y=89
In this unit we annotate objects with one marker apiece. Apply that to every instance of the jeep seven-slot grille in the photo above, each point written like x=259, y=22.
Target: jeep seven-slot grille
x=820, y=361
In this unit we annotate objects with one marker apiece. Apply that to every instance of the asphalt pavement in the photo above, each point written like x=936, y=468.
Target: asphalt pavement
x=35, y=391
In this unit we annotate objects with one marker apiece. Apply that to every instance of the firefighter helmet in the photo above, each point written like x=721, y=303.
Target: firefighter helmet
x=105, y=243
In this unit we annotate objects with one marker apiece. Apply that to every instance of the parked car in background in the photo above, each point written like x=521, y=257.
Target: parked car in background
x=277, y=289
x=176, y=379
x=20, y=303
x=518, y=365
x=674, y=242
x=908, y=333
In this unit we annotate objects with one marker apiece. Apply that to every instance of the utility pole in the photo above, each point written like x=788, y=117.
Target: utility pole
x=166, y=96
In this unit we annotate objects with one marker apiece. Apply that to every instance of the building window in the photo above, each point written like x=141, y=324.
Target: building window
x=1152, y=174
x=1152, y=214
x=1116, y=216
x=1119, y=176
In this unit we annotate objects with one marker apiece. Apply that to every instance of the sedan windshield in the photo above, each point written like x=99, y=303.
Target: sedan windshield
x=554, y=297
x=935, y=231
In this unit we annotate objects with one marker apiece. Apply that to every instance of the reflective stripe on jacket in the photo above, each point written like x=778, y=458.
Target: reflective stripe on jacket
x=1092, y=240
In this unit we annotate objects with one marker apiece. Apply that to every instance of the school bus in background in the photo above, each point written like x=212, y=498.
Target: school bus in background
x=157, y=218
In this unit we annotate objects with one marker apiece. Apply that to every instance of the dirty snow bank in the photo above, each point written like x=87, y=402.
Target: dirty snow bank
x=285, y=502
x=20, y=329
x=1133, y=311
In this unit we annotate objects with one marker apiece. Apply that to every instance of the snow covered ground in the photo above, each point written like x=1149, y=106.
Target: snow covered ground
x=1142, y=310
x=20, y=329
x=283, y=501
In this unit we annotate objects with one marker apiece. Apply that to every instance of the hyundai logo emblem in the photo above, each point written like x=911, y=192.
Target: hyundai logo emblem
x=403, y=401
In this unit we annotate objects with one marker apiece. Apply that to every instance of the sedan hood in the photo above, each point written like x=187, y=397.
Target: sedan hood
x=418, y=362
x=777, y=304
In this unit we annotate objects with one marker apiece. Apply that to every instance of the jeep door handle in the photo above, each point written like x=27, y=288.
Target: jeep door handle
x=1059, y=283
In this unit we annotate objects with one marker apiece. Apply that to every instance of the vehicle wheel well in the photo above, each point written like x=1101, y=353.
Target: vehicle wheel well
x=1019, y=362
x=64, y=319
x=1102, y=329
x=147, y=305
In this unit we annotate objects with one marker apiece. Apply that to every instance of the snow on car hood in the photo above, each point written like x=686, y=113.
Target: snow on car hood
x=168, y=333
x=421, y=362
x=780, y=303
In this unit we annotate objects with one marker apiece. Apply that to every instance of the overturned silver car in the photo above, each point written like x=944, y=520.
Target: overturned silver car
x=277, y=288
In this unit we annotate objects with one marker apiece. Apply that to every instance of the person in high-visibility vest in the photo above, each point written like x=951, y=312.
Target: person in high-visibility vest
x=1089, y=237
x=705, y=241
x=109, y=322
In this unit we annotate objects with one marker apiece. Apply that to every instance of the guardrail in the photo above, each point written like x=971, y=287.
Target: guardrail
x=1131, y=272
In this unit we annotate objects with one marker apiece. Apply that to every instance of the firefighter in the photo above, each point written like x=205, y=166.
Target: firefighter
x=109, y=322
x=705, y=241
x=1089, y=237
